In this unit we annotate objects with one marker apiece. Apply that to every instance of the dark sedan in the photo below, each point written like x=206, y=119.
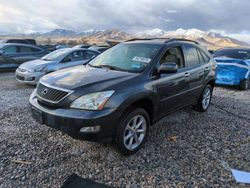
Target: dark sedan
x=13, y=54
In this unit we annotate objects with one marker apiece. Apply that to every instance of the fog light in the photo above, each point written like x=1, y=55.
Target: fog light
x=30, y=78
x=93, y=129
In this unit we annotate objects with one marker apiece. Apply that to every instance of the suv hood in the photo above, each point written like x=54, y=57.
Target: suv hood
x=85, y=76
x=29, y=65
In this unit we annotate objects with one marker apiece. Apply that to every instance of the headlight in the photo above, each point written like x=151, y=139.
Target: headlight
x=39, y=69
x=92, y=101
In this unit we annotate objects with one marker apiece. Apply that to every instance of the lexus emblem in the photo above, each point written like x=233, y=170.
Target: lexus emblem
x=45, y=91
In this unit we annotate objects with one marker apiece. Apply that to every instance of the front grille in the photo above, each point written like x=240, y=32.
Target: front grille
x=20, y=77
x=50, y=94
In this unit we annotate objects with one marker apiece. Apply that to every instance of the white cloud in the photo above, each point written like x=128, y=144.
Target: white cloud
x=45, y=15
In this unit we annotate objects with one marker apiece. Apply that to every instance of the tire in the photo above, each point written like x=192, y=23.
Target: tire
x=204, y=99
x=130, y=138
x=244, y=84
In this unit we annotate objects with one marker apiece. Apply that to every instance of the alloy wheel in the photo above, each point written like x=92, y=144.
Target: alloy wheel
x=135, y=132
x=206, y=98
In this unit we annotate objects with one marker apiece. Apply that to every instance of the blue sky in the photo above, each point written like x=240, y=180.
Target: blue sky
x=25, y=16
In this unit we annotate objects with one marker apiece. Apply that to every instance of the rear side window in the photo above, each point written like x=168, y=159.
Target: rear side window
x=191, y=55
x=203, y=57
x=90, y=54
x=10, y=50
x=25, y=49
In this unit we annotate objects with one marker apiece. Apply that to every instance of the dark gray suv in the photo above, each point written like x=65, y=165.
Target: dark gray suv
x=124, y=90
x=12, y=54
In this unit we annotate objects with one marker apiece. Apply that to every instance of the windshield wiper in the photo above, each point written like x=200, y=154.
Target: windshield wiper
x=109, y=67
x=112, y=67
x=94, y=66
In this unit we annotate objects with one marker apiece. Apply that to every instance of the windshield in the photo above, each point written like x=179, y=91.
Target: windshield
x=233, y=53
x=56, y=55
x=127, y=57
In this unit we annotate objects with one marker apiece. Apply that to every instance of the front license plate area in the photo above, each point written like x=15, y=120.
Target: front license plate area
x=37, y=115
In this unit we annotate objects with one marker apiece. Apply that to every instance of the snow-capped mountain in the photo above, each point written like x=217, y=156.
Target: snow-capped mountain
x=205, y=38
x=89, y=32
x=111, y=34
x=59, y=33
x=151, y=33
x=94, y=36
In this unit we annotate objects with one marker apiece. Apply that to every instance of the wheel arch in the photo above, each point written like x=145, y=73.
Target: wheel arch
x=144, y=102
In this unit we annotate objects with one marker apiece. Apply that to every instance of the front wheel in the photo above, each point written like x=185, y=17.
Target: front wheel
x=205, y=99
x=132, y=131
x=244, y=84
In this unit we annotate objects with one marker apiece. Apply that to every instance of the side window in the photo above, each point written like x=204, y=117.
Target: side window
x=201, y=58
x=205, y=57
x=77, y=55
x=90, y=54
x=24, y=49
x=173, y=55
x=191, y=56
x=10, y=50
x=36, y=50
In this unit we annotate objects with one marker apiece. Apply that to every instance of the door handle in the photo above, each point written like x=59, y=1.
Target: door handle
x=187, y=74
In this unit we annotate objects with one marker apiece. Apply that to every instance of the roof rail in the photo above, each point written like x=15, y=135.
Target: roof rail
x=166, y=39
x=180, y=39
x=134, y=39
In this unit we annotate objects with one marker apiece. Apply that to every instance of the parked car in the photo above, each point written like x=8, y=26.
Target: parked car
x=12, y=55
x=120, y=93
x=48, y=47
x=99, y=48
x=82, y=46
x=31, y=71
x=233, y=67
x=61, y=46
x=20, y=41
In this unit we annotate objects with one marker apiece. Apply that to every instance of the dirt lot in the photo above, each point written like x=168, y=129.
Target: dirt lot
x=187, y=148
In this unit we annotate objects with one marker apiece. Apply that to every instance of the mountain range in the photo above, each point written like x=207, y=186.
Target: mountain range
x=211, y=40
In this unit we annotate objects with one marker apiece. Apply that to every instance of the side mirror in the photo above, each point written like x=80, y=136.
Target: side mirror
x=167, y=68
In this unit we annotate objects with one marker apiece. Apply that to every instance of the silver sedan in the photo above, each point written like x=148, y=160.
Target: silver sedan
x=30, y=72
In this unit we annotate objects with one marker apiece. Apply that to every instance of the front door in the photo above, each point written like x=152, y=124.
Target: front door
x=172, y=88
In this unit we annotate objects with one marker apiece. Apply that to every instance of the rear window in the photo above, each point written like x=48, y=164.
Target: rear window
x=233, y=53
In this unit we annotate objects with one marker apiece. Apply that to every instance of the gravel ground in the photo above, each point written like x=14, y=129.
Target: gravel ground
x=185, y=149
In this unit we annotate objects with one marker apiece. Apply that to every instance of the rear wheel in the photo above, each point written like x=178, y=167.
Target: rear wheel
x=132, y=131
x=205, y=99
x=244, y=84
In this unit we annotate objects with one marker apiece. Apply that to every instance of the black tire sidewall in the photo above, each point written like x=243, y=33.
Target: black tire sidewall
x=244, y=84
x=128, y=115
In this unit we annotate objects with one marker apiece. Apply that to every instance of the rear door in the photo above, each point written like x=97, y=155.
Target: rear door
x=28, y=53
x=196, y=68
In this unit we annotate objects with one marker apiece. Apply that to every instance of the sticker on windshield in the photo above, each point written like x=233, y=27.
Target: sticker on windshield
x=141, y=59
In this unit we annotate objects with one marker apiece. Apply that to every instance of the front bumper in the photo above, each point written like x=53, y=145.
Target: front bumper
x=26, y=77
x=71, y=121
